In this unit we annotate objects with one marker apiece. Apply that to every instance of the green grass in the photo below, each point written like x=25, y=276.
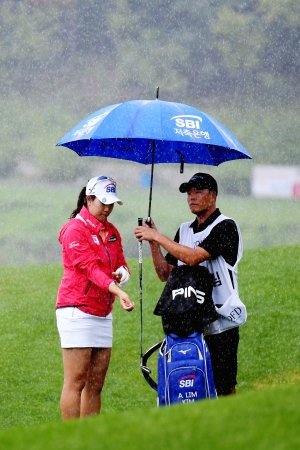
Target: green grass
x=261, y=421
x=32, y=216
x=269, y=285
x=265, y=409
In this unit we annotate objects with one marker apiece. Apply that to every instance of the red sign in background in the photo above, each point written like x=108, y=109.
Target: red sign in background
x=296, y=190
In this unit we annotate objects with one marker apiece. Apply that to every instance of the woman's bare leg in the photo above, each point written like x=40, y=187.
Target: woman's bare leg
x=91, y=394
x=76, y=363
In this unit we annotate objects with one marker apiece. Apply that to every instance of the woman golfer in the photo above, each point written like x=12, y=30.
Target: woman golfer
x=94, y=270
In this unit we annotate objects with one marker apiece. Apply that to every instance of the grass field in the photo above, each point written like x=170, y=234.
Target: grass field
x=265, y=420
x=264, y=412
x=33, y=214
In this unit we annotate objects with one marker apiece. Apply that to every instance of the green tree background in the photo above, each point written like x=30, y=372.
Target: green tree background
x=60, y=61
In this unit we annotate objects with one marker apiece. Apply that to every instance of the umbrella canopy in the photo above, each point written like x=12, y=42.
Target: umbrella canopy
x=128, y=130
x=152, y=132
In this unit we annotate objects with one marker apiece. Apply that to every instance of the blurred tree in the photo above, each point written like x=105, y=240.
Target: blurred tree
x=62, y=60
x=282, y=32
x=30, y=43
x=165, y=41
x=258, y=42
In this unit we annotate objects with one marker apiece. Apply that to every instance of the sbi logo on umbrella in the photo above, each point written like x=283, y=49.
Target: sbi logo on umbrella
x=188, y=126
x=186, y=121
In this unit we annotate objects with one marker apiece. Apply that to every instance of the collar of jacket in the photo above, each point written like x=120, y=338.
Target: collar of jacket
x=90, y=221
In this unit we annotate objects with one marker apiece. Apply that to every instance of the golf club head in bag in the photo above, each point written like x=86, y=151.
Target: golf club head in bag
x=146, y=371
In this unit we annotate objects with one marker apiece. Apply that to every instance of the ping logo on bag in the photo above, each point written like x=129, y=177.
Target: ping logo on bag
x=187, y=292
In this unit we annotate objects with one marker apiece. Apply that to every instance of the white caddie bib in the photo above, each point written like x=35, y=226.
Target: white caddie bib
x=232, y=312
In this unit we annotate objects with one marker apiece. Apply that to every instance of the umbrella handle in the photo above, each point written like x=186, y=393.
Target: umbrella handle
x=181, y=160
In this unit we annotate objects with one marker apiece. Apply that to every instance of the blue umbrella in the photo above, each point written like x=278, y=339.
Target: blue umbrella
x=152, y=132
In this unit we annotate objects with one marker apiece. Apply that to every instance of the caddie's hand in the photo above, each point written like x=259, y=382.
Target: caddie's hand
x=153, y=226
x=122, y=276
x=145, y=233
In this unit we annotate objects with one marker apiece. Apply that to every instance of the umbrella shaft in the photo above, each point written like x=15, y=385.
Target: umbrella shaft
x=151, y=179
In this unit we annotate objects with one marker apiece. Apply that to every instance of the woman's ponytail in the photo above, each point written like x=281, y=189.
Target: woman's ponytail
x=80, y=203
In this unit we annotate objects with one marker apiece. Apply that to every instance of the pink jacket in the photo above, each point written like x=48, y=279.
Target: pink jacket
x=88, y=264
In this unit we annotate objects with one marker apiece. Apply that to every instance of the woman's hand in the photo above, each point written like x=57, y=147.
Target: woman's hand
x=126, y=303
x=123, y=296
x=122, y=276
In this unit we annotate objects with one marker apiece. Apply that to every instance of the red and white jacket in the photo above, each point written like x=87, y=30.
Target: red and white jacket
x=88, y=264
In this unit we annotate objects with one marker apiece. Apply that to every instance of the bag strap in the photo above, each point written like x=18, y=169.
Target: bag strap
x=146, y=371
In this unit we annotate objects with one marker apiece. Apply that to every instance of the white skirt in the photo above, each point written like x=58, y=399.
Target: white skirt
x=80, y=330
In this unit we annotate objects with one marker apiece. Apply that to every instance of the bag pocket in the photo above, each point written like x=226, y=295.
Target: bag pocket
x=186, y=384
x=183, y=351
x=232, y=314
x=234, y=310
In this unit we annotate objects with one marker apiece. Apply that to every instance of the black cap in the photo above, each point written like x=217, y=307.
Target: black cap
x=200, y=181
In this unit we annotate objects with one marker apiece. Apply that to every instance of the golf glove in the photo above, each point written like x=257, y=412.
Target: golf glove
x=123, y=275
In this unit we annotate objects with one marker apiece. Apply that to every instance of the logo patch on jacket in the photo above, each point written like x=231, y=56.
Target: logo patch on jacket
x=73, y=244
x=95, y=239
x=113, y=238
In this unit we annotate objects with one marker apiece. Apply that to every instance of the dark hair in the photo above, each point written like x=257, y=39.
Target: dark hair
x=81, y=201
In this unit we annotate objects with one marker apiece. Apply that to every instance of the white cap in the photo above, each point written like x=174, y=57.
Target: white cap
x=104, y=188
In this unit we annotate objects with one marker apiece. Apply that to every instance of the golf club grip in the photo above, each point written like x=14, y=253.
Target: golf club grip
x=140, y=222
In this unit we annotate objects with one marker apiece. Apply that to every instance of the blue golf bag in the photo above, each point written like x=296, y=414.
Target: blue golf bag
x=184, y=372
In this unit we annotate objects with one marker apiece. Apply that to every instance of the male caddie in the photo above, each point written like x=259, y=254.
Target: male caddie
x=212, y=240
